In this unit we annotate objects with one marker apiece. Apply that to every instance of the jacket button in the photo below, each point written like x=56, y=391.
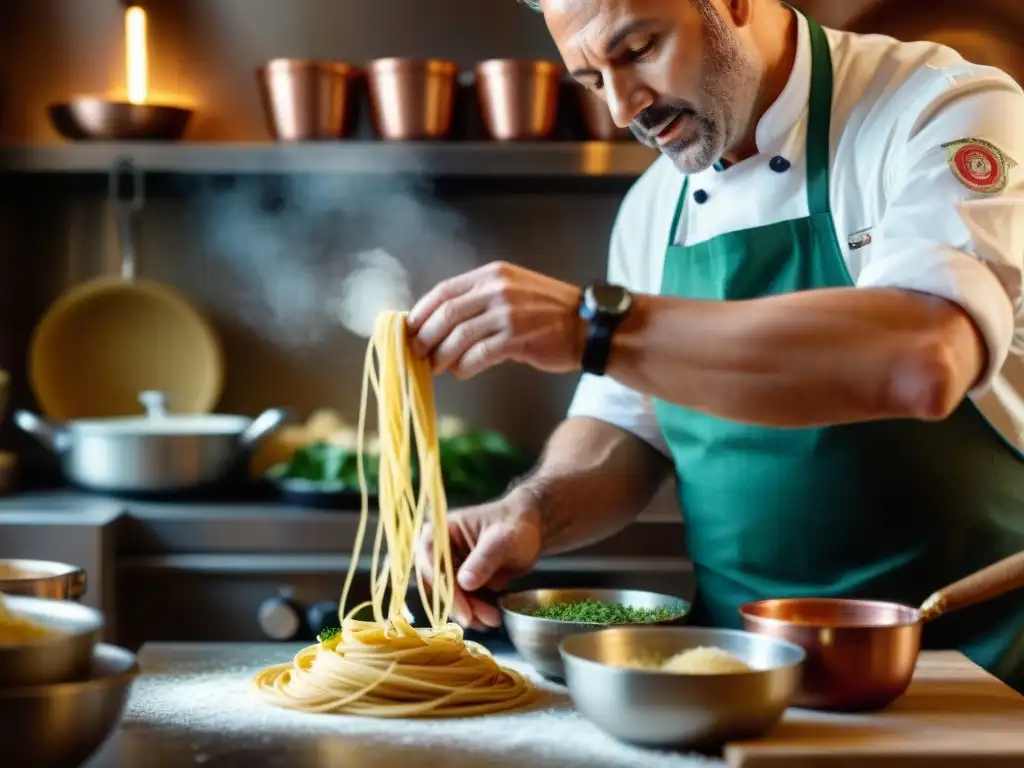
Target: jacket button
x=700, y=197
x=779, y=164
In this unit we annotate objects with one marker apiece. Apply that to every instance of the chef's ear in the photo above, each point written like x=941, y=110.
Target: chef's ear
x=739, y=11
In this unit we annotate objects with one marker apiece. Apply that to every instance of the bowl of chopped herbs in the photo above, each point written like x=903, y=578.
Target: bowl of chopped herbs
x=539, y=619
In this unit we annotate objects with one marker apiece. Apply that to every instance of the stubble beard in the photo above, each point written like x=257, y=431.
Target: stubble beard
x=728, y=81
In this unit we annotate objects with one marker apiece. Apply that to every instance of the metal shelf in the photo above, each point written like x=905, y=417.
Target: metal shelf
x=605, y=160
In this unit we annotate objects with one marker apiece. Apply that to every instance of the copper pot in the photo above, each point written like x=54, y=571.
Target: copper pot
x=518, y=98
x=861, y=654
x=598, y=119
x=305, y=100
x=411, y=99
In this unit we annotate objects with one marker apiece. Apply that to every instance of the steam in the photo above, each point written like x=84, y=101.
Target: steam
x=305, y=255
x=378, y=283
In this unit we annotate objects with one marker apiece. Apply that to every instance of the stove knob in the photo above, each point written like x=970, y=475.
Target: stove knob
x=322, y=615
x=280, y=618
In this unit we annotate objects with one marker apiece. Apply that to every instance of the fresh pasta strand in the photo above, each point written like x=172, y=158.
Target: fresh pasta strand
x=386, y=667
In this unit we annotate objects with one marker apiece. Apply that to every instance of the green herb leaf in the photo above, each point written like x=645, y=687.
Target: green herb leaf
x=595, y=612
x=328, y=633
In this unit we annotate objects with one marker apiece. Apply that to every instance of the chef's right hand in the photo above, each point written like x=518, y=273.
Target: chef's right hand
x=491, y=545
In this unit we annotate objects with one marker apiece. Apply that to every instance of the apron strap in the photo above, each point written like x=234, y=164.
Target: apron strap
x=819, y=127
x=819, y=121
x=679, y=213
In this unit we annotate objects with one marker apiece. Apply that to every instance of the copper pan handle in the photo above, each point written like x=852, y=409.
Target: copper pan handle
x=987, y=584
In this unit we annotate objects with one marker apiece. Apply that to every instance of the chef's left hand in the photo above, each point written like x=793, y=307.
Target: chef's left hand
x=498, y=313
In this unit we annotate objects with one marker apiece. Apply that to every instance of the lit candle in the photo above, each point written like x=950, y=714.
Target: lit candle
x=136, y=54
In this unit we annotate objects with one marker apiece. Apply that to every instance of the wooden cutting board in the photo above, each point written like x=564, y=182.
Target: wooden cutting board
x=954, y=714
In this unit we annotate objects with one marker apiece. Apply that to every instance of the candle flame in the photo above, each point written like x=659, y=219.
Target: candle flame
x=136, y=53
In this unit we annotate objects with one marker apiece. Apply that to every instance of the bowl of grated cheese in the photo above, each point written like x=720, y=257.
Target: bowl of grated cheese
x=681, y=687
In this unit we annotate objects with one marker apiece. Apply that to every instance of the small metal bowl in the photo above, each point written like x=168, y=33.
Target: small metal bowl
x=61, y=658
x=537, y=639
x=41, y=578
x=94, y=119
x=658, y=709
x=60, y=726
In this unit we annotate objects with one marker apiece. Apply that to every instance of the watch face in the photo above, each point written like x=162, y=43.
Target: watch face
x=609, y=299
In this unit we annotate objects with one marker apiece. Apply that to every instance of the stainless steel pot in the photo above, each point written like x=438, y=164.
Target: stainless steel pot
x=60, y=726
x=160, y=452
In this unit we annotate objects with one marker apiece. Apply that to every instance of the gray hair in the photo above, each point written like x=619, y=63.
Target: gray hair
x=535, y=4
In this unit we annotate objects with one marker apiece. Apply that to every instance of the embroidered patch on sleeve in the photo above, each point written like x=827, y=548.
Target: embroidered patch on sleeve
x=979, y=165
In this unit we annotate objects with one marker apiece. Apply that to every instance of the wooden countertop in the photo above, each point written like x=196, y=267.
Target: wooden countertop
x=954, y=714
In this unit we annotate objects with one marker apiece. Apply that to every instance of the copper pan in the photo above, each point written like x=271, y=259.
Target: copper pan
x=861, y=654
x=411, y=99
x=93, y=119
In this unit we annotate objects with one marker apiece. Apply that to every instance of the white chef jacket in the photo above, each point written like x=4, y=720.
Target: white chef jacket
x=902, y=217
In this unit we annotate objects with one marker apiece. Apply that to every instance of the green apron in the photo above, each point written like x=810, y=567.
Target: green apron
x=887, y=510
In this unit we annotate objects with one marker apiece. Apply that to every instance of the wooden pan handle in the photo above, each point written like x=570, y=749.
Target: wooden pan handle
x=987, y=584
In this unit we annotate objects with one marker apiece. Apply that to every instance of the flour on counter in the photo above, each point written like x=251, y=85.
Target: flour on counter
x=201, y=696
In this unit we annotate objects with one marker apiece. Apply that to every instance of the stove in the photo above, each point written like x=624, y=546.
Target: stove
x=245, y=567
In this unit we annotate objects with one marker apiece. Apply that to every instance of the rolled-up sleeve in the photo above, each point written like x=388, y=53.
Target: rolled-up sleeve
x=952, y=227
x=601, y=397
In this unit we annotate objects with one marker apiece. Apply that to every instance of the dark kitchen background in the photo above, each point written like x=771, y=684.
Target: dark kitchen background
x=251, y=249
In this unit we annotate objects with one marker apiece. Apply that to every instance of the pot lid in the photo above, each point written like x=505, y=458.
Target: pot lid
x=158, y=421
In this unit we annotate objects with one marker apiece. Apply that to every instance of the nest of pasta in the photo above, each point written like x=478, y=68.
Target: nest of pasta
x=387, y=667
x=396, y=670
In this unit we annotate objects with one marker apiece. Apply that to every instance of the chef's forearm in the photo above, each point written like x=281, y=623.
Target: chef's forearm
x=805, y=359
x=591, y=482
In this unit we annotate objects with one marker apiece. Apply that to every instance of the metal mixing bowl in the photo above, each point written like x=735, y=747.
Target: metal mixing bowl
x=41, y=578
x=537, y=639
x=64, y=657
x=664, y=709
x=60, y=726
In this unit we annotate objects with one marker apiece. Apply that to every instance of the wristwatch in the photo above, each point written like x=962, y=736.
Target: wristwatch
x=604, y=306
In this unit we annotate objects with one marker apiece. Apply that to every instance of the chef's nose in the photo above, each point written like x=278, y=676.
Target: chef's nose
x=626, y=97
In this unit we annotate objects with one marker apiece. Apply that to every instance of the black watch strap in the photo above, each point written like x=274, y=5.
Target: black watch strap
x=597, y=349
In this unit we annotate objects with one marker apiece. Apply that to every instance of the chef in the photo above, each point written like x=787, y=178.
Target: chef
x=811, y=319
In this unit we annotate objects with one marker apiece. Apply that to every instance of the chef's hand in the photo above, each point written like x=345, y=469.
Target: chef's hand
x=491, y=545
x=497, y=313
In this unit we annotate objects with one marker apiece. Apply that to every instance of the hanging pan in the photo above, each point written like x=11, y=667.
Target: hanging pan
x=107, y=340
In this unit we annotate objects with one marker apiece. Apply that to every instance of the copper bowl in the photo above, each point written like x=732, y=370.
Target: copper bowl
x=411, y=99
x=518, y=98
x=306, y=100
x=598, y=119
x=42, y=578
x=861, y=654
x=94, y=119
